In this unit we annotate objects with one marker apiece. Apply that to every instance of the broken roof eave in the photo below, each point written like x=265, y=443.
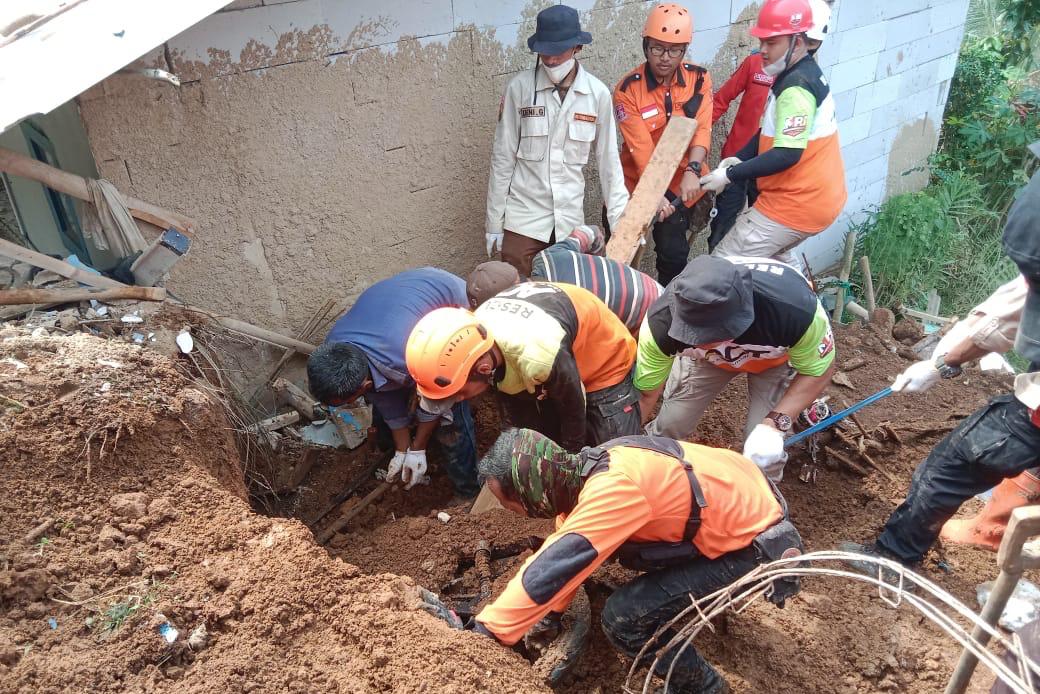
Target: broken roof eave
x=77, y=48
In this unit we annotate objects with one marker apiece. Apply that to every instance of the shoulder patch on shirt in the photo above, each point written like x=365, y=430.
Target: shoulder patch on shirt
x=586, y=117
x=619, y=113
x=795, y=125
x=532, y=112
x=826, y=345
x=556, y=565
x=763, y=78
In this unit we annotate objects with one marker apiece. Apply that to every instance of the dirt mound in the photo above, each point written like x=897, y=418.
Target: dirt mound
x=124, y=514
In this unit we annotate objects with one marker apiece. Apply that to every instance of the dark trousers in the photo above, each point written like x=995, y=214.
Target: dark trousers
x=672, y=245
x=634, y=613
x=728, y=204
x=609, y=413
x=518, y=250
x=458, y=440
x=996, y=442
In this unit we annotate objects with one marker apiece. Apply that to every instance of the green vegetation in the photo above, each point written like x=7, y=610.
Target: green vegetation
x=947, y=236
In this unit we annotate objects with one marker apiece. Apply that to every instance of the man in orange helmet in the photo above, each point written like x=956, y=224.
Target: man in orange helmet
x=644, y=101
x=559, y=357
x=796, y=157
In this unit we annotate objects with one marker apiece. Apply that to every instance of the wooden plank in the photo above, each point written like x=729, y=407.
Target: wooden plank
x=17, y=164
x=642, y=206
x=276, y=422
x=9, y=297
x=13, y=250
x=927, y=317
x=295, y=396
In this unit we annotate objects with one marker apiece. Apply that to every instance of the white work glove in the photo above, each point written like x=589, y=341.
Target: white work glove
x=765, y=448
x=414, y=468
x=394, y=468
x=718, y=179
x=493, y=238
x=918, y=377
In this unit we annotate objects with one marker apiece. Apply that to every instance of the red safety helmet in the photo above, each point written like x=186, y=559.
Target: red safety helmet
x=783, y=18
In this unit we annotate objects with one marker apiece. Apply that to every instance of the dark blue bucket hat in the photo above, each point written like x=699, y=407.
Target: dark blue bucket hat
x=557, y=30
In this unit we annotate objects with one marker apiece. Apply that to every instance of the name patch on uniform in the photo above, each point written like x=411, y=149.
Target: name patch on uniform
x=794, y=125
x=620, y=113
x=649, y=111
x=586, y=117
x=762, y=78
x=532, y=112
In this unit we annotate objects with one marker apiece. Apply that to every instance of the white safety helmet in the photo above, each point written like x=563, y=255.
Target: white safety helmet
x=821, y=17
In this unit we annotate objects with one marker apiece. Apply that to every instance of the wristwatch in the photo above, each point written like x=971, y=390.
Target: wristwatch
x=780, y=420
x=695, y=167
x=946, y=370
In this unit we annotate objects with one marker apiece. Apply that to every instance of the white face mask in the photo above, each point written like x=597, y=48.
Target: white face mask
x=556, y=74
x=774, y=69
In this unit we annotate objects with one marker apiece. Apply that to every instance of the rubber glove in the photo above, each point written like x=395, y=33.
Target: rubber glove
x=414, y=468
x=918, y=377
x=493, y=238
x=765, y=448
x=718, y=179
x=394, y=468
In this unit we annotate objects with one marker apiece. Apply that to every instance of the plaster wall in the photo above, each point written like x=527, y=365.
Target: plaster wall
x=324, y=144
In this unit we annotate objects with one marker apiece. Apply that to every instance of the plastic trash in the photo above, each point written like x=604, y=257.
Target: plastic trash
x=168, y=632
x=443, y=517
x=138, y=338
x=185, y=342
x=52, y=622
x=132, y=318
x=1022, y=608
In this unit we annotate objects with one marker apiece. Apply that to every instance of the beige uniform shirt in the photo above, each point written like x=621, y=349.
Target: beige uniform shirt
x=542, y=145
x=993, y=326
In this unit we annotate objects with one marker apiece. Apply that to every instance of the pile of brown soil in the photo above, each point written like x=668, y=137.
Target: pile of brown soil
x=124, y=510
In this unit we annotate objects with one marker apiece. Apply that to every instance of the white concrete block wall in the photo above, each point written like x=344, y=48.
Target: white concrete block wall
x=888, y=62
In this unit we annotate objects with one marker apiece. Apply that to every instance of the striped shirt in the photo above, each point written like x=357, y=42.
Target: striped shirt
x=627, y=292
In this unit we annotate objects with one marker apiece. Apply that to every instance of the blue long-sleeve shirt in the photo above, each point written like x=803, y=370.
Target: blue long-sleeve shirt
x=379, y=324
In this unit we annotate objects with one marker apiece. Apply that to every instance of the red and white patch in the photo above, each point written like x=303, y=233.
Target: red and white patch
x=585, y=117
x=796, y=19
x=826, y=345
x=762, y=78
x=795, y=125
x=649, y=111
x=620, y=113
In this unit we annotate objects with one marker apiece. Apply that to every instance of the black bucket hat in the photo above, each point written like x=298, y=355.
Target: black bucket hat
x=711, y=301
x=1022, y=244
x=557, y=30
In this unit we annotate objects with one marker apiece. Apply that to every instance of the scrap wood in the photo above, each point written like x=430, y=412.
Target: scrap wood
x=302, y=468
x=276, y=422
x=642, y=206
x=845, y=460
x=868, y=285
x=26, y=255
x=354, y=485
x=295, y=396
x=310, y=329
x=64, y=182
x=9, y=297
x=853, y=364
x=340, y=523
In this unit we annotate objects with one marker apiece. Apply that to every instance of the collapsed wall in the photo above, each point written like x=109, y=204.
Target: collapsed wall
x=125, y=515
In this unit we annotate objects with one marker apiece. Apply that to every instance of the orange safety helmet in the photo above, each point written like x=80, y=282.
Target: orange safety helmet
x=783, y=18
x=442, y=349
x=670, y=23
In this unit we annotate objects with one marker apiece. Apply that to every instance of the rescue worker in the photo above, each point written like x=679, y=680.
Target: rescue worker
x=693, y=518
x=796, y=157
x=727, y=316
x=1000, y=443
x=579, y=260
x=644, y=101
x=751, y=83
x=559, y=358
x=364, y=355
x=549, y=120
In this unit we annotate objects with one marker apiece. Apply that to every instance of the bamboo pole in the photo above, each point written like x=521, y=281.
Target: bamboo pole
x=846, y=270
x=10, y=297
x=17, y=164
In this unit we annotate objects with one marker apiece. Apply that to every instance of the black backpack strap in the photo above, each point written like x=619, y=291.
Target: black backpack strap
x=691, y=107
x=697, y=502
x=593, y=459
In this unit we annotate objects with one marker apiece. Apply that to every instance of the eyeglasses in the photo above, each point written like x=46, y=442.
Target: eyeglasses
x=673, y=51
